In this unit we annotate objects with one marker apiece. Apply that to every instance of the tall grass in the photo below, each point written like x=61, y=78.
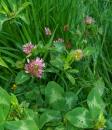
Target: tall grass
x=28, y=25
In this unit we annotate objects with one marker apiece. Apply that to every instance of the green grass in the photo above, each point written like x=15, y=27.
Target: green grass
x=22, y=22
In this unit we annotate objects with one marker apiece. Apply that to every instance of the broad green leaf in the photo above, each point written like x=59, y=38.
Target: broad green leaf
x=35, y=94
x=2, y=63
x=49, y=116
x=79, y=117
x=59, y=47
x=21, y=77
x=3, y=113
x=55, y=95
x=4, y=97
x=95, y=103
x=21, y=125
x=4, y=104
x=2, y=126
x=99, y=86
x=60, y=128
x=30, y=114
x=109, y=124
x=70, y=78
x=57, y=62
x=59, y=105
x=68, y=126
x=71, y=100
x=53, y=92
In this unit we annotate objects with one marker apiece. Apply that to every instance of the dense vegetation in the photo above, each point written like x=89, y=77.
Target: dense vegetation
x=55, y=65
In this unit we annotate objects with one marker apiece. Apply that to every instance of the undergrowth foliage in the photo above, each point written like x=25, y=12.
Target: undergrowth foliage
x=55, y=65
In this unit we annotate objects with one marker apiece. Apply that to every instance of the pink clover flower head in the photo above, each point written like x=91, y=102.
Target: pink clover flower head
x=35, y=67
x=89, y=20
x=47, y=31
x=27, y=48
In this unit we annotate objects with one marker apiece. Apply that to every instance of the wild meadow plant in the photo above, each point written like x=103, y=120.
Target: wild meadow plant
x=55, y=62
